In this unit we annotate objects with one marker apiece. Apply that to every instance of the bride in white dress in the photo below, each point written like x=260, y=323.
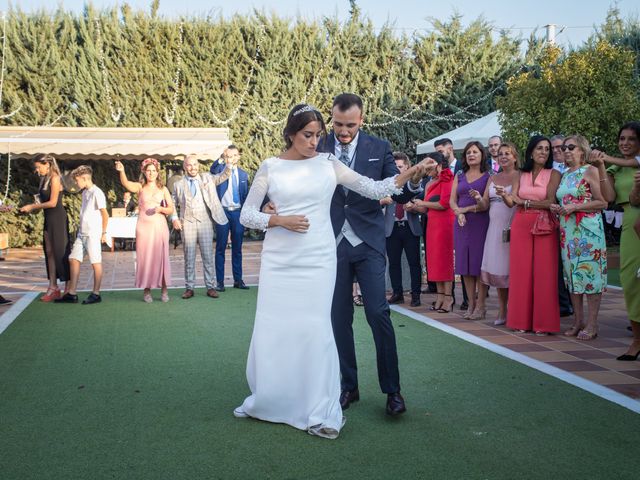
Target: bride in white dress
x=292, y=367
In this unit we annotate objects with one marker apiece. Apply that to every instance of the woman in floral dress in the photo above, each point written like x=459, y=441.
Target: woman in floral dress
x=582, y=239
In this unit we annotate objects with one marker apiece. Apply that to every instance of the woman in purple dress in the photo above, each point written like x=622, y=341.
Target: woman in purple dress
x=470, y=228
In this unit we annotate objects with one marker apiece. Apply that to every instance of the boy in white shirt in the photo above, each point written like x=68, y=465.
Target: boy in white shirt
x=91, y=234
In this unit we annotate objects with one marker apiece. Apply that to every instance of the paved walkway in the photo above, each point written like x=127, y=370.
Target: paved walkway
x=23, y=271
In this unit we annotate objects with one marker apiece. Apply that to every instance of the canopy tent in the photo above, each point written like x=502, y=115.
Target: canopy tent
x=113, y=143
x=481, y=129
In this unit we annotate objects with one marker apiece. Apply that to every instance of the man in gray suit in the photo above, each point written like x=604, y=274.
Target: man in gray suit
x=402, y=228
x=196, y=201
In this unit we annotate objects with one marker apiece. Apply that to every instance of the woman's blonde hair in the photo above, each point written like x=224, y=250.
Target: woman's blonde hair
x=514, y=152
x=582, y=143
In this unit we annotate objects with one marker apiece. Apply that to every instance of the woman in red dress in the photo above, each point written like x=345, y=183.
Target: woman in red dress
x=439, y=235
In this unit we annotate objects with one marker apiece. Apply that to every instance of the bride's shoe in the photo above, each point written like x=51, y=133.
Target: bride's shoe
x=325, y=432
x=239, y=413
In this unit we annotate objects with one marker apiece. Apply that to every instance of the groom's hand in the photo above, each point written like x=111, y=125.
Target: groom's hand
x=269, y=208
x=295, y=223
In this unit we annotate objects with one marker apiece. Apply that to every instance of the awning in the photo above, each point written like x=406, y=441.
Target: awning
x=481, y=130
x=113, y=143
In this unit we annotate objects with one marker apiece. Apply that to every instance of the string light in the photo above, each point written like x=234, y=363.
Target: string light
x=4, y=43
x=23, y=134
x=115, y=115
x=238, y=107
x=176, y=81
x=6, y=187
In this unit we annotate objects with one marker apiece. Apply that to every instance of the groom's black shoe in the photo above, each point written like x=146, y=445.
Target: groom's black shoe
x=396, y=298
x=240, y=284
x=395, y=404
x=347, y=397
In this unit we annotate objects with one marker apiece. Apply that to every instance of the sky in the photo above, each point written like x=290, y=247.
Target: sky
x=575, y=18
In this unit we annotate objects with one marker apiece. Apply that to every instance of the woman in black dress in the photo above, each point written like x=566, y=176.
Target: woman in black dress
x=55, y=239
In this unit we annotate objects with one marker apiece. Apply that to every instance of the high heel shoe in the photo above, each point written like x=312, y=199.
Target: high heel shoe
x=51, y=295
x=628, y=357
x=437, y=305
x=478, y=314
x=586, y=335
x=448, y=309
x=573, y=331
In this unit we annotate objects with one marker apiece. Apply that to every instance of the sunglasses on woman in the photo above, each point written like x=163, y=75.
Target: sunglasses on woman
x=571, y=148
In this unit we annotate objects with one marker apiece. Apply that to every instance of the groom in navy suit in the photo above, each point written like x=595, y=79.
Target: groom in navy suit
x=232, y=194
x=358, y=225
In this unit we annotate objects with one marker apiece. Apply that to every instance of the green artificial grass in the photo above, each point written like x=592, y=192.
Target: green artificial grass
x=126, y=390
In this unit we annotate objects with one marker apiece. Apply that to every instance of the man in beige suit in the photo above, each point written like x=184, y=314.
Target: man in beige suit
x=197, y=204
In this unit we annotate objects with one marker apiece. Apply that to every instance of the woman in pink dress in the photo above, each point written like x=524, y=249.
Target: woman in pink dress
x=533, y=283
x=495, y=258
x=152, y=233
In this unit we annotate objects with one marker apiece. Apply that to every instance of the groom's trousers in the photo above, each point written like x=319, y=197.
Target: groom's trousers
x=369, y=267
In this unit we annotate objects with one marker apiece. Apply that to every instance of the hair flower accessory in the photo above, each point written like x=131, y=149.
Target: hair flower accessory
x=148, y=161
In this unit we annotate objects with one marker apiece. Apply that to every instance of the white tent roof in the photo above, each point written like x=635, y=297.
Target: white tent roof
x=112, y=143
x=481, y=129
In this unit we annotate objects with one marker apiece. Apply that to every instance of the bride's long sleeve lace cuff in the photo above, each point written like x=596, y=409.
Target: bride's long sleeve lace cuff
x=251, y=217
x=376, y=190
x=365, y=186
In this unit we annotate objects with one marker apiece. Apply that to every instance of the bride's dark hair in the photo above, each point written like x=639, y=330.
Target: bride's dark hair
x=299, y=117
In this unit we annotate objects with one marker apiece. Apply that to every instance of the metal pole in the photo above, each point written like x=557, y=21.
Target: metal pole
x=551, y=33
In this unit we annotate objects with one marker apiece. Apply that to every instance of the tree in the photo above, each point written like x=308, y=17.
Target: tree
x=124, y=68
x=590, y=91
x=620, y=32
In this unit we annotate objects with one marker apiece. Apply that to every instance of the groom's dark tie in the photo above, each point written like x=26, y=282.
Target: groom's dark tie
x=344, y=158
x=344, y=153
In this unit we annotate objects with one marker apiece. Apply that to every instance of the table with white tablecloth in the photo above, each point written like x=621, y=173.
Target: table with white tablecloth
x=120, y=227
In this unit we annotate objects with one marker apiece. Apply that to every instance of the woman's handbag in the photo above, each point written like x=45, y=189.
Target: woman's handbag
x=506, y=234
x=546, y=222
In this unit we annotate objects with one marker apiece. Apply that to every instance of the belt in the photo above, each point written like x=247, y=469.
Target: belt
x=231, y=209
x=401, y=223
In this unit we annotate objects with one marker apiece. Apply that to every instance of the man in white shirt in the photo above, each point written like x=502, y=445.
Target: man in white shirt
x=566, y=309
x=445, y=147
x=232, y=195
x=558, y=155
x=493, y=146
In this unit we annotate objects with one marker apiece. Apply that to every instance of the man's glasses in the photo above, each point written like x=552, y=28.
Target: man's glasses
x=571, y=148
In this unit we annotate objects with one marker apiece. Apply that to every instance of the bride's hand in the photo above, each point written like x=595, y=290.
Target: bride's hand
x=295, y=223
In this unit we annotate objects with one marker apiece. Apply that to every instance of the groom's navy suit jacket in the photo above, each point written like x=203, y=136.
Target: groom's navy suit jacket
x=373, y=159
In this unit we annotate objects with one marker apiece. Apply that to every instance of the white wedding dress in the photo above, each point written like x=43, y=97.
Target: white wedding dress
x=292, y=368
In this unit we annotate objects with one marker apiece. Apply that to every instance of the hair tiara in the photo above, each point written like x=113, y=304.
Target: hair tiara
x=306, y=108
